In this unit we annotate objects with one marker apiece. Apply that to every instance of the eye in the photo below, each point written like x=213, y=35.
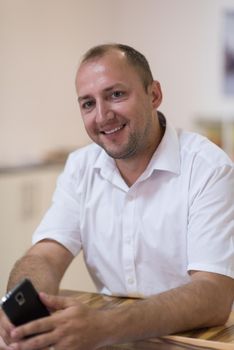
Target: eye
x=87, y=104
x=117, y=94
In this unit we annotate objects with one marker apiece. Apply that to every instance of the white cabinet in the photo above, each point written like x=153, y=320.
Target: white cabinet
x=24, y=197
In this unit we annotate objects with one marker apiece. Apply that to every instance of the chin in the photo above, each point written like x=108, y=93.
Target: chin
x=125, y=154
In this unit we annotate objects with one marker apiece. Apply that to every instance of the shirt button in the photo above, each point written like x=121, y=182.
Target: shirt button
x=130, y=280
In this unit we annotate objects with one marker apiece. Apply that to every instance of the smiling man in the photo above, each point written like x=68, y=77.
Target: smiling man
x=150, y=206
x=119, y=110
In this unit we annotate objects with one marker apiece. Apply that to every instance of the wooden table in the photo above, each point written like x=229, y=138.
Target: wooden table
x=209, y=338
x=218, y=338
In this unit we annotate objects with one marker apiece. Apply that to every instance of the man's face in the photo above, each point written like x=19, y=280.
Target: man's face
x=118, y=113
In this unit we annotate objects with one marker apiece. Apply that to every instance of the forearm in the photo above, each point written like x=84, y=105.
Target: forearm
x=45, y=264
x=197, y=304
x=38, y=269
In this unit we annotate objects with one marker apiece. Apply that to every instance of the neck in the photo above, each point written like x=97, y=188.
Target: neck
x=132, y=168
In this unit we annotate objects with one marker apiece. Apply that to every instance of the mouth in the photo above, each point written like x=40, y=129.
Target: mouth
x=113, y=131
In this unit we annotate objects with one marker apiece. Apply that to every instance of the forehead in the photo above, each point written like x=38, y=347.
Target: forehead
x=112, y=68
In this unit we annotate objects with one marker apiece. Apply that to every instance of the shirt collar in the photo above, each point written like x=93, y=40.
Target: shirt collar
x=167, y=155
x=165, y=158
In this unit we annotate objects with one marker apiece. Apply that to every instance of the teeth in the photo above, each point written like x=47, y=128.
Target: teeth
x=113, y=130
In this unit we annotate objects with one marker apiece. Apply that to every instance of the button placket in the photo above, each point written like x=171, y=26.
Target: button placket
x=128, y=244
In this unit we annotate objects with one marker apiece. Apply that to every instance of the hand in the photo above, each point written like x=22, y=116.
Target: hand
x=5, y=328
x=72, y=326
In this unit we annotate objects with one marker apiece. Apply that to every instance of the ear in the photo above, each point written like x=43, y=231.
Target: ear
x=156, y=94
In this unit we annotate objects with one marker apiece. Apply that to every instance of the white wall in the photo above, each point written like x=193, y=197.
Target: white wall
x=41, y=43
x=183, y=41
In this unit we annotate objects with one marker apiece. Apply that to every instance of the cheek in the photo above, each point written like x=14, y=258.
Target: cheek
x=89, y=126
x=126, y=110
x=88, y=122
x=132, y=108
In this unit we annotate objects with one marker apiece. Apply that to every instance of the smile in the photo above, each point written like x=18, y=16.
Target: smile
x=113, y=130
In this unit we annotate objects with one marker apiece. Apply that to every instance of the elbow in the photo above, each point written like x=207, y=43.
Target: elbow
x=216, y=298
x=223, y=316
x=221, y=313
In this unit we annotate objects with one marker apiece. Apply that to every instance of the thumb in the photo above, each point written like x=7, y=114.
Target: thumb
x=55, y=302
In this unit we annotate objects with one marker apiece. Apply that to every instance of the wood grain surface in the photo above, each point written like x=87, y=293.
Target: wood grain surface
x=219, y=338
x=208, y=338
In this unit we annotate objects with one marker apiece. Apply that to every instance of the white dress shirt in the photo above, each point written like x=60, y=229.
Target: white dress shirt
x=139, y=241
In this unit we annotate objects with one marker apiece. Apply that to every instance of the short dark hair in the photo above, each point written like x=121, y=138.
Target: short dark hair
x=134, y=58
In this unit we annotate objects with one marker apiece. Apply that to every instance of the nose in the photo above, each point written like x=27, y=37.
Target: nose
x=103, y=112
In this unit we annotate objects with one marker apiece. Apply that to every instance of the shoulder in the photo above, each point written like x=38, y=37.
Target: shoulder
x=201, y=150
x=87, y=153
x=82, y=160
x=206, y=166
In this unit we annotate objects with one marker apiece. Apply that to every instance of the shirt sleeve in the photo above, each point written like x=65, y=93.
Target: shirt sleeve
x=61, y=221
x=211, y=220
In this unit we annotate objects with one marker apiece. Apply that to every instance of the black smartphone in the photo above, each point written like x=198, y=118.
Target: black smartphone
x=22, y=304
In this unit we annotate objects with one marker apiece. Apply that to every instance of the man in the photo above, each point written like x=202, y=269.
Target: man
x=152, y=209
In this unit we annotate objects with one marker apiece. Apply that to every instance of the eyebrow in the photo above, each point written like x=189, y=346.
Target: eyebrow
x=85, y=97
x=109, y=88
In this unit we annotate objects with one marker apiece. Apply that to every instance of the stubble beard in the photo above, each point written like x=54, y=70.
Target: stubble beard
x=129, y=150
x=137, y=142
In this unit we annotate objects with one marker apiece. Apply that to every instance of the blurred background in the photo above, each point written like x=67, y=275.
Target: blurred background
x=189, y=45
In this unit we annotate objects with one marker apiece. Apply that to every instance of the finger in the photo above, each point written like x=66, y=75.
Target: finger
x=41, y=341
x=3, y=345
x=5, y=328
x=55, y=302
x=6, y=337
x=5, y=322
x=41, y=325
